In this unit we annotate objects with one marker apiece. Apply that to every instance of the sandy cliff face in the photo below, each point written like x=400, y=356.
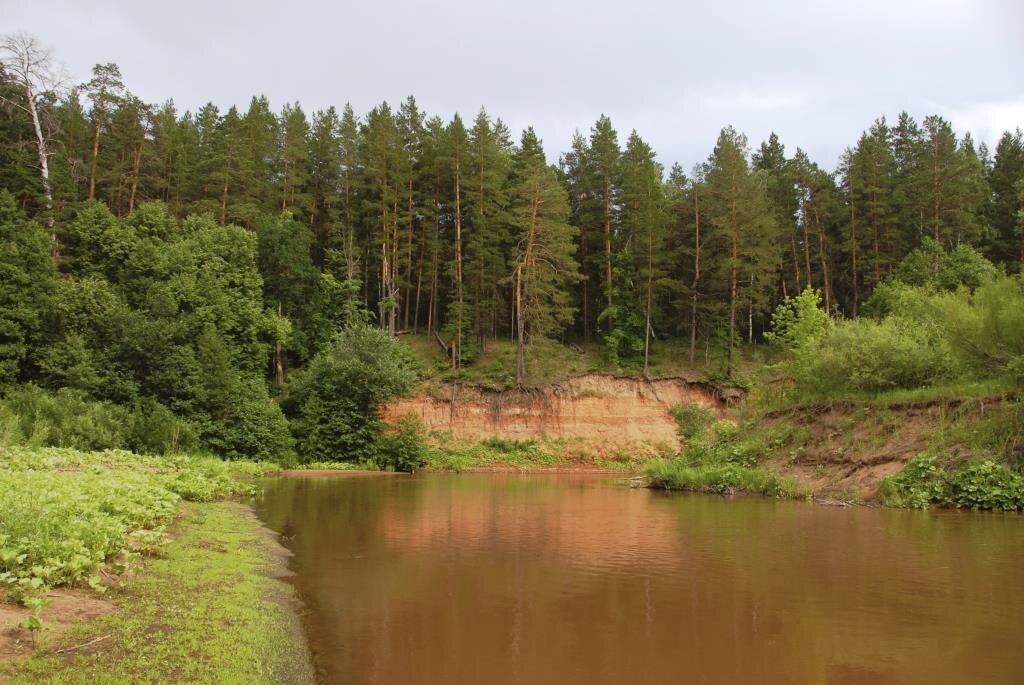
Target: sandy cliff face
x=594, y=407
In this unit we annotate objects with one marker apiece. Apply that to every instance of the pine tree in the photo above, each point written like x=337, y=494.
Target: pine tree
x=1007, y=171
x=771, y=159
x=459, y=319
x=410, y=130
x=261, y=192
x=381, y=149
x=486, y=208
x=604, y=179
x=294, y=156
x=105, y=91
x=325, y=180
x=643, y=225
x=348, y=210
x=575, y=178
x=868, y=172
x=743, y=234
x=544, y=267
x=950, y=182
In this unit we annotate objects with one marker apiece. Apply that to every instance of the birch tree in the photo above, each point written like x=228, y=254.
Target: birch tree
x=31, y=65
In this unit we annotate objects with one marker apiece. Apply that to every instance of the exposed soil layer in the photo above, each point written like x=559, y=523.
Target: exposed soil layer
x=845, y=449
x=594, y=407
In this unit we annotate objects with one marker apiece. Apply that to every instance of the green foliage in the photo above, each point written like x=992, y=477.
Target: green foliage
x=692, y=420
x=336, y=399
x=924, y=338
x=718, y=478
x=402, y=446
x=862, y=354
x=624, y=336
x=66, y=513
x=718, y=456
x=27, y=278
x=798, y=323
x=932, y=266
x=979, y=484
x=68, y=418
x=225, y=620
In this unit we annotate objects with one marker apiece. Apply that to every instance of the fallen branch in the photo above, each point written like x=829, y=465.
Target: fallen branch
x=84, y=644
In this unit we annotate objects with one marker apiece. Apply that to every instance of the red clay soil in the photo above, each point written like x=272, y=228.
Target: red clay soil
x=613, y=410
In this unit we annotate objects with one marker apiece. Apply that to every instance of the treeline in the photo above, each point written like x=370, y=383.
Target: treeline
x=443, y=223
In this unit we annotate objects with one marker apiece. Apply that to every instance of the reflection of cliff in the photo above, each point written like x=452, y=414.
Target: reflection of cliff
x=609, y=409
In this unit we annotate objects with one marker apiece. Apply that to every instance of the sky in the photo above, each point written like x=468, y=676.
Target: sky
x=817, y=72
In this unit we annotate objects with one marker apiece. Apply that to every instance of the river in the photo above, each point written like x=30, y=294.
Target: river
x=579, y=579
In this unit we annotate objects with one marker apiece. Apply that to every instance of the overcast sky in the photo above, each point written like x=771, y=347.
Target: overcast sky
x=815, y=71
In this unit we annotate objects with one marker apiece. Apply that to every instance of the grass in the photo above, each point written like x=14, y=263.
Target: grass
x=334, y=466
x=445, y=453
x=719, y=478
x=206, y=610
x=549, y=361
x=765, y=398
x=722, y=457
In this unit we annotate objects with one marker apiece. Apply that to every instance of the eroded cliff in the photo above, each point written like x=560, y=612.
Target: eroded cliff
x=594, y=407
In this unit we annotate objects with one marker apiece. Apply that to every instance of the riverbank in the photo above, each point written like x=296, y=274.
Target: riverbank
x=116, y=567
x=211, y=608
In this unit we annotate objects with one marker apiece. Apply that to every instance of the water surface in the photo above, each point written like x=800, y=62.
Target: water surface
x=572, y=579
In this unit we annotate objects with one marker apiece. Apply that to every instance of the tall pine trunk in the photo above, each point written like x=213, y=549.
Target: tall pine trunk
x=696, y=278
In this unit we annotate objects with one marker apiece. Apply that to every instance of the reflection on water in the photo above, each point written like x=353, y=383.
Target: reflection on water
x=545, y=579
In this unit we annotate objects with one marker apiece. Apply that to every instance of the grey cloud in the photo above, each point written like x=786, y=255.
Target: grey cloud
x=815, y=72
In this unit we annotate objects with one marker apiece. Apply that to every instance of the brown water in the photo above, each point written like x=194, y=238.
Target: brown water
x=548, y=579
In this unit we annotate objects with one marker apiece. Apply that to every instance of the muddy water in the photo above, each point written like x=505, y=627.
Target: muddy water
x=547, y=579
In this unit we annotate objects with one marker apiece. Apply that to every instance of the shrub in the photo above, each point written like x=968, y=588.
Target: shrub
x=866, y=355
x=799, y=322
x=980, y=484
x=691, y=419
x=336, y=399
x=68, y=418
x=402, y=446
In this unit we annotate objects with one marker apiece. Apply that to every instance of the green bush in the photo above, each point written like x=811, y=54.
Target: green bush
x=980, y=484
x=402, y=447
x=866, y=355
x=691, y=419
x=30, y=415
x=335, y=401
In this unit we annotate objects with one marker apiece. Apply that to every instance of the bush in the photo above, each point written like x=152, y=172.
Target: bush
x=336, y=399
x=691, y=419
x=866, y=355
x=30, y=415
x=252, y=427
x=980, y=484
x=402, y=446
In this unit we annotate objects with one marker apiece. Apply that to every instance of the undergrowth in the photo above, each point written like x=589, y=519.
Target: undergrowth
x=978, y=484
x=719, y=456
x=65, y=515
